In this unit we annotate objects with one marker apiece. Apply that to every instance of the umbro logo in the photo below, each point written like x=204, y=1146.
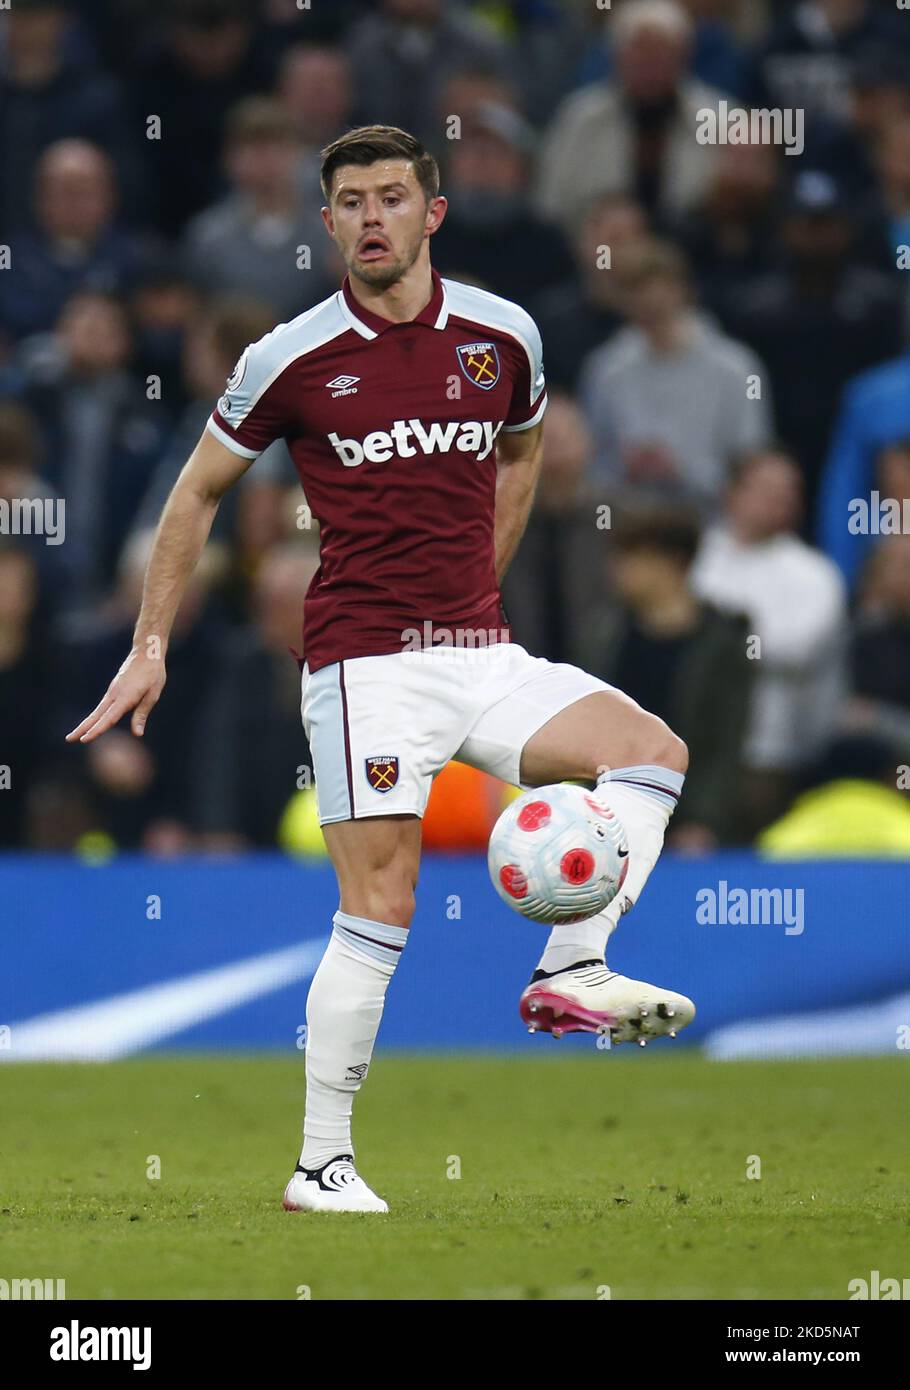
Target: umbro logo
x=342, y=386
x=358, y=1072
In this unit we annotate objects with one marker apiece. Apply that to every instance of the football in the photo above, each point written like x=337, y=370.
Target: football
x=558, y=854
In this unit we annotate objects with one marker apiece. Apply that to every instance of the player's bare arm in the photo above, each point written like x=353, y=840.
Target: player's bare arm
x=519, y=459
x=182, y=533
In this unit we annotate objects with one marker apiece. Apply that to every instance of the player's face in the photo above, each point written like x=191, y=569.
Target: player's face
x=379, y=219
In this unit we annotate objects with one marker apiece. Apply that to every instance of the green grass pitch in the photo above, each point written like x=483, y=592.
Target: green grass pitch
x=576, y=1173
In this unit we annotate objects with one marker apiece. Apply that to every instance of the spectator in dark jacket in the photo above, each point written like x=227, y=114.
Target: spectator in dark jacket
x=730, y=237
x=489, y=231
x=806, y=59
x=75, y=243
x=684, y=661
x=102, y=434
x=48, y=92
x=818, y=320
x=208, y=58
x=253, y=756
x=403, y=52
x=141, y=792
x=880, y=642
x=251, y=514
x=24, y=691
x=583, y=311
x=555, y=586
x=21, y=483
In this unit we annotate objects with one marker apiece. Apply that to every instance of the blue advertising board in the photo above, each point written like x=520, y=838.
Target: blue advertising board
x=141, y=953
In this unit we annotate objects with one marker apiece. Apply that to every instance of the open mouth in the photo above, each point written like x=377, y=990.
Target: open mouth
x=372, y=248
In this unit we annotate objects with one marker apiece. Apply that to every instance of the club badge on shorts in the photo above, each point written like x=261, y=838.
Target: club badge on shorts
x=480, y=364
x=382, y=773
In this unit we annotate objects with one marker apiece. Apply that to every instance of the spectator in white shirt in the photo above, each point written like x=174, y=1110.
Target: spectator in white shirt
x=753, y=561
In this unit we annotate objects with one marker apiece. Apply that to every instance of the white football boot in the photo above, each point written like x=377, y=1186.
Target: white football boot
x=333, y=1187
x=591, y=998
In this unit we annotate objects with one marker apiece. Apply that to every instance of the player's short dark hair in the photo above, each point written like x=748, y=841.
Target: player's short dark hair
x=671, y=528
x=368, y=143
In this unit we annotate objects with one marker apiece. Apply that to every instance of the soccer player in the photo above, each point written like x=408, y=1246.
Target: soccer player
x=412, y=407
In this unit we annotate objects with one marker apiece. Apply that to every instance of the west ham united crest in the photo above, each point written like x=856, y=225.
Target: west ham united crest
x=480, y=364
x=382, y=773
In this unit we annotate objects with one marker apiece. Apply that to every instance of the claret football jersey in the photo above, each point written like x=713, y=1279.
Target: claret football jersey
x=392, y=428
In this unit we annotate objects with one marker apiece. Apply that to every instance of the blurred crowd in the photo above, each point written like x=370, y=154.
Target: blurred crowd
x=725, y=339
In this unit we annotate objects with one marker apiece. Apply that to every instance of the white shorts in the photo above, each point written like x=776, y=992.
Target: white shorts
x=381, y=727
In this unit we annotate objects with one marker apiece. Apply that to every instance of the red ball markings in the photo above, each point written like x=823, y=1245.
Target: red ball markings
x=513, y=881
x=534, y=815
x=577, y=865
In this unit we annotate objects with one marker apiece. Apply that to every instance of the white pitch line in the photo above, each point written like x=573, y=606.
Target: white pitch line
x=129, y=1022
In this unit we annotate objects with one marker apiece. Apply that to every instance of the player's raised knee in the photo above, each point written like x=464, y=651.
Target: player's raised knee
x=674, y=753
x=647, y=739
x=659, y=746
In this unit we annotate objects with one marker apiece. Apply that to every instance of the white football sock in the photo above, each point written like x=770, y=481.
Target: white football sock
x=644, y=798
x=343, y=1010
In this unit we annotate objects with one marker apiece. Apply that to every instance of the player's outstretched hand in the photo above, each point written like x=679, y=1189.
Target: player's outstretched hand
x=137, y=686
